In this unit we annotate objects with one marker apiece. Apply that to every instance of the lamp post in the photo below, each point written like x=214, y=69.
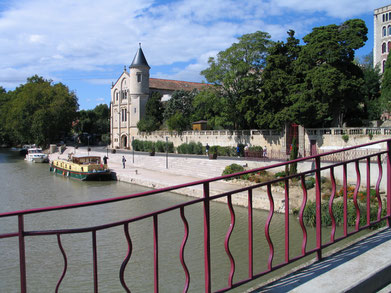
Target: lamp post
x=166, y=152
x=133, y=148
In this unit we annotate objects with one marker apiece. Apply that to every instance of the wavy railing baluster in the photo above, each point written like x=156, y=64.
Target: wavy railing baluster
x=378, y=187
x=182, y=251
x=155, y=254
x=286, y=183
x=301, y=215
x=267, y=227
x=125, y=262
x=227, y=237
x=95, y=261
x=368, y=191
x=250, y=234
x=331, y=200
x=358, y=183
x=345, y=200
x=65, y=262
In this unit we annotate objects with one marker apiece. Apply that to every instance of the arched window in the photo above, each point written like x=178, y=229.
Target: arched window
x=388, y=47
x=384, y=65
x=389, y=30
x=384, y=31
x=383, y=48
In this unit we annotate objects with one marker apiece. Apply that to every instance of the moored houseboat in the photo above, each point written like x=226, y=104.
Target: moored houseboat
x=82, y=168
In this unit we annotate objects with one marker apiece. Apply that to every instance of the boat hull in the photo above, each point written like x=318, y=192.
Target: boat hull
x=103, y=175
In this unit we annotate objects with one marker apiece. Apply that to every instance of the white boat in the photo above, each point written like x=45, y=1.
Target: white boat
x=36, y=155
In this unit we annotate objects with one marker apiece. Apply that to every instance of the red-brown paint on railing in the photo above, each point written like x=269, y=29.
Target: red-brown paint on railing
x=182, y=250
x=226, y=242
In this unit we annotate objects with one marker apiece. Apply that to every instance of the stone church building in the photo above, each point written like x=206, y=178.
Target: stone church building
x=129, y=96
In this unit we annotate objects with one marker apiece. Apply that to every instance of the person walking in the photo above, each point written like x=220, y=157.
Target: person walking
x=105, y=160
x=207, y=149
x=123, y=161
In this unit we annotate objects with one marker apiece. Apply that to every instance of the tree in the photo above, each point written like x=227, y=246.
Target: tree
x=237, y=73
x=330, y=83
x=181, y=106
x=208, y=106
x=278, y=81
x=153, y=114
x=95, y=121
x=371, y=88
x=39, y=112
x=385, y=97
x=4, y=98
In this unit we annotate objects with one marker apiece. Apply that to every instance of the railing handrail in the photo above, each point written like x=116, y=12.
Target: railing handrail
x=185, y=185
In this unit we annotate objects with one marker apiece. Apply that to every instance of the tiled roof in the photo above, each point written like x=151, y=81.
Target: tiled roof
x=175, y=85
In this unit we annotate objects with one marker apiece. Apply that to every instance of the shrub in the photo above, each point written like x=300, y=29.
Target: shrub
x=345, y=137
x=309, y=216
x=232, y=169
x=255, y=149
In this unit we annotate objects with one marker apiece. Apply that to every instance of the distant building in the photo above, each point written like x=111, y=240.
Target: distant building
x=382, y=36
x=129, y=96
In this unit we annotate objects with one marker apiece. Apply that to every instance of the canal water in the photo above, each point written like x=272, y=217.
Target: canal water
x=25, y=185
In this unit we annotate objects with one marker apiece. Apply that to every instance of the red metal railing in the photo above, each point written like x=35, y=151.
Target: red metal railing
x=207, y=198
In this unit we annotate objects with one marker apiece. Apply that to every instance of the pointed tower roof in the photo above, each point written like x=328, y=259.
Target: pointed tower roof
x=139, y=59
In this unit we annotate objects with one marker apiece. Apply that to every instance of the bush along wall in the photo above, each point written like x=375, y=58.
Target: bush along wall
x=148, y=146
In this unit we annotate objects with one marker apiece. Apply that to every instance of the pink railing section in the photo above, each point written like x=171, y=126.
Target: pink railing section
x=233, y=282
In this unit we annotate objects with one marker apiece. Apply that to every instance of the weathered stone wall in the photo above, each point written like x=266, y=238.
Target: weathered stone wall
x=324, y=138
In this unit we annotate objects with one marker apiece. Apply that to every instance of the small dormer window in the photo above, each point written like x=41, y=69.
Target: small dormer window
x=138, y=77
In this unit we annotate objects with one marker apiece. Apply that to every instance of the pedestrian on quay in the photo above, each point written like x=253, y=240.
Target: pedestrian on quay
x=123, y=161
x=105, y=160
x=238, y=151
x=264, y=152
x=207, y=149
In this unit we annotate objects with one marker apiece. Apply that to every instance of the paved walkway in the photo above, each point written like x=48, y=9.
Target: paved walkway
x=362, y=267
x=152, y=171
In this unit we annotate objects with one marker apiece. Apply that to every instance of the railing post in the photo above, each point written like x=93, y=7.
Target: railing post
x=318, y=209
x=389, y=183
x=207, y=238
x=22, y=255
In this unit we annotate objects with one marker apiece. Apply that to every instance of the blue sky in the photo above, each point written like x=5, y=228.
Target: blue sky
x=85, y=44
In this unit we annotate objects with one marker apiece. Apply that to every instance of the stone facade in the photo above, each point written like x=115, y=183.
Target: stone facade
x=382, y=36
x=129, y=96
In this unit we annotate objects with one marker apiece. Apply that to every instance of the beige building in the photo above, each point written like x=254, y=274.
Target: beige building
x=382, y=36
x=129, y=96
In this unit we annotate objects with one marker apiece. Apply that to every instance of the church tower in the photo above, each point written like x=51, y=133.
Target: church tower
x=129, y=96
x=138, y=89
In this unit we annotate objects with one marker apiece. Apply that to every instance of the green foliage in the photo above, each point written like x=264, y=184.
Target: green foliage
x=94, y=121
x=385, y=96
x=153, y=118
x=345, y=137
x=191, y=148
x=293, y=156
x=371, y=88
x=208, y=106
x=148, y=124
x=149, y=146
x=38, y=112
x=178, y=110
x=232, y=169
x=178, y=122
x=236, y=71
x=309, y=215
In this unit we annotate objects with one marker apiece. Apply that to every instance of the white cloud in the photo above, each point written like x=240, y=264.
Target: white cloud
x=46, y=37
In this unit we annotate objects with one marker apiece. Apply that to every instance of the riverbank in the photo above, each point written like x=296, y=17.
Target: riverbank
x=160, y=171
